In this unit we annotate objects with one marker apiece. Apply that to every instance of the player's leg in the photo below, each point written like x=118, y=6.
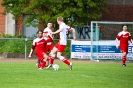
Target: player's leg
x=44, y=60
x=38, y=64
x=41, y=60
x=124, y=50
x=62, y=58
x=124, y=54
x=52, y=56
x=49, y=49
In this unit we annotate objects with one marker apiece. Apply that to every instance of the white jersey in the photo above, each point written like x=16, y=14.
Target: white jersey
x=47, y=31
x=63, y=37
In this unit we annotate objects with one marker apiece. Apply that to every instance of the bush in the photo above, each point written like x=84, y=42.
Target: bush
x=14, y=46
x=10, y=36
x=18, y=46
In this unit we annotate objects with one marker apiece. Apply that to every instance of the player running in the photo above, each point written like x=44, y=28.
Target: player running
x=60, y=46
x=40, y=44
x=123, y=36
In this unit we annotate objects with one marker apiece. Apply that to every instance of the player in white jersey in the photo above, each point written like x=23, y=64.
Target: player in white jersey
x=47, y=31
x=60, y=46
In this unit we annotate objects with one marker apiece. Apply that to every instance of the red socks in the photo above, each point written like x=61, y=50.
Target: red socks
x=66, y=61
x=42, y=64
x=123, y=59
x=51, y=59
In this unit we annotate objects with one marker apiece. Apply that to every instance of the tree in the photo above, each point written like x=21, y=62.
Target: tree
x=74, y=11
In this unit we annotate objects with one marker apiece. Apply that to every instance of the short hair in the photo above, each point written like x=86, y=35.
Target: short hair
x=39, y=31
x=60, y=18
x=124, y=25
x=49, y=22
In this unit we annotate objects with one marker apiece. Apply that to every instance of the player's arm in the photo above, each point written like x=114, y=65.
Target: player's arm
x=117, y=43
x=117, y=40
x=32, y=49
x=58, y=31
x=130, y=38
x=74, y=33
x=49, y=39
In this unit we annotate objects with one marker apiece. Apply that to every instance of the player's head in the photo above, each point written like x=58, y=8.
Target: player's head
x=49, y=25
x=124, y=27
x=60, y=19
x=39, y=33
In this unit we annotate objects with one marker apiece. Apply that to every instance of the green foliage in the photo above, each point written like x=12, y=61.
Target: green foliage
x=18, y=46
x=14, y=46
x=10, y=36
x=85, y=74
x=130, y=29
x=67, y=51
x=74, y=11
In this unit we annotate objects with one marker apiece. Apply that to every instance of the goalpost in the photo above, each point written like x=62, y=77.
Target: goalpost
x=103, y=34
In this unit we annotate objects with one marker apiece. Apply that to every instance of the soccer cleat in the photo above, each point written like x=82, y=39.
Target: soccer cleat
x=123, y=65
x=40, y=68
x=70, y=66
x=50, y=65
x=37, y=63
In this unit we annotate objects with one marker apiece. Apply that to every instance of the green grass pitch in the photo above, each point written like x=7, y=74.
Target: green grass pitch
x=84, y=75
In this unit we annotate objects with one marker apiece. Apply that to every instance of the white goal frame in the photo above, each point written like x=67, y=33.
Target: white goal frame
x=92, y=35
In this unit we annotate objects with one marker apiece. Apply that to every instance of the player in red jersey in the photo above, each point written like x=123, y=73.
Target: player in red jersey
x=60, y=46
x=40, y=44
x=123, y=36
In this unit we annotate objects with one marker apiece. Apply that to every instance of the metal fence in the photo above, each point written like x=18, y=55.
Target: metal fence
x=20, y=47
x=13, y=47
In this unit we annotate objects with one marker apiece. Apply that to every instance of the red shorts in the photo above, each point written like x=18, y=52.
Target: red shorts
x=49, y=47
x=124, y=49
x=40, y=55
x=60, y=48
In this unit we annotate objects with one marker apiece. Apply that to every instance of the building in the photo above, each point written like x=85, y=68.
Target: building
x=2, y=19
x=119, y=10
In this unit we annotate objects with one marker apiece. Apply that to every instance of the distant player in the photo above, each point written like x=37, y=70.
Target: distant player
x=60, y=46
x=40, y=44
x=123, y=36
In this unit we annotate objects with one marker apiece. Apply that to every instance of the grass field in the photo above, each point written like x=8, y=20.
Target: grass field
x=85, y=74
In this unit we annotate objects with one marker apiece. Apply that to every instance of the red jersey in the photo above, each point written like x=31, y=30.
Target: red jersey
x=124, y=37
x=40, y=44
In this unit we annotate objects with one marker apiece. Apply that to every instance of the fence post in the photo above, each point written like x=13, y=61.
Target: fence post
x=25, y=48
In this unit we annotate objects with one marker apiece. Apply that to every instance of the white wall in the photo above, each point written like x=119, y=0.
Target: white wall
x=10, y=24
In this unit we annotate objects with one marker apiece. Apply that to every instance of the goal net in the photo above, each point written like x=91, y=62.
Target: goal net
x=103, y=45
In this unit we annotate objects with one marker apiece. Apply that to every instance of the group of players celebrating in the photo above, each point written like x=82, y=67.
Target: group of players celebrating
x=43, y=44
